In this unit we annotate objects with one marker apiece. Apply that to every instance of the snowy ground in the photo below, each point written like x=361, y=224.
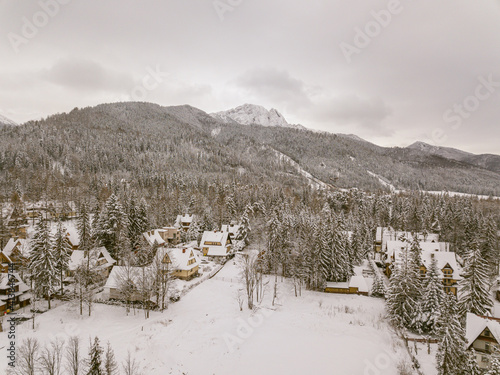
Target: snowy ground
x=205, y=333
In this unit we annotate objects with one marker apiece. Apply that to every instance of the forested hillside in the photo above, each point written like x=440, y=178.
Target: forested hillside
x=142, y=144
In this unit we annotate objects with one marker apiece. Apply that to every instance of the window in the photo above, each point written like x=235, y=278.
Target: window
x=484, y=358
x=487, y=347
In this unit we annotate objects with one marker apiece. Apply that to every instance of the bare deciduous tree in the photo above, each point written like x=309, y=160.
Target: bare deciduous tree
x=51, y=357
x=73, y=358
x=27, y=358
x=130, y=366
x=248, y=265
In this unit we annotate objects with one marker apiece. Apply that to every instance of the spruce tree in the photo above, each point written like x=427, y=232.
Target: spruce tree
x=110, y=226
x=471, y=366
x=451, y=355
x=402, y=294
x=95, y=361
x=62, y=250
x=474, y=292
x=432, y=298
x=494, y=367
x=378, y=287
x=245, y=228
x=43, y=263
x=84, y=227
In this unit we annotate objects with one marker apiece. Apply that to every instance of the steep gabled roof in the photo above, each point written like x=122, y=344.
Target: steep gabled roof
x=179, y=257
x=475, y=325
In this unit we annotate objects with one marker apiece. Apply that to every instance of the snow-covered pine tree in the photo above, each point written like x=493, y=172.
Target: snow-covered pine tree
x=432, y=299
x=137, y=220
x=451, y=356
x=95, y=360
x=378, y=287
x=489, y=244
x=474, y=291
x=402, y=294
x=245, y=228
x=494, y=367
x=325, y=255
x=43, y=263
x=471, y=366
x=84, y=227
x=62, y=250
x=111, y=225
x=193, y=232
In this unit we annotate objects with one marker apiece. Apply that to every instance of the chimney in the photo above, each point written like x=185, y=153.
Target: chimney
x=183, y=251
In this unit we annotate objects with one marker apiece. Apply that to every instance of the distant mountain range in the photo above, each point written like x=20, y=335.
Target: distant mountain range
x=249, y=144
x=486, y=161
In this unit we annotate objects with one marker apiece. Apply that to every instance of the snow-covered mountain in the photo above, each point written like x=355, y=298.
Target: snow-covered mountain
x=5, y=121
x=248, y=114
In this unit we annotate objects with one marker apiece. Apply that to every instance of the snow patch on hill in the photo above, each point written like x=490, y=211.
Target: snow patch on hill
x=6, y=121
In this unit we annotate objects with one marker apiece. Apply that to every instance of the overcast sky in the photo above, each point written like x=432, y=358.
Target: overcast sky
x=392, y=72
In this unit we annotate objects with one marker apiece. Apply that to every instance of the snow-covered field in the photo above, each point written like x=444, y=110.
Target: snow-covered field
x=205, y=333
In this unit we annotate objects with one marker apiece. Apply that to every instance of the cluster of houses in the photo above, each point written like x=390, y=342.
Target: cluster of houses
x=391, y=246
x=182, y=261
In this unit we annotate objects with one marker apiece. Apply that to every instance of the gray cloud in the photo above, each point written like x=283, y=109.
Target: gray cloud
x=283, y=54
x=83, y=74
x=274, y=85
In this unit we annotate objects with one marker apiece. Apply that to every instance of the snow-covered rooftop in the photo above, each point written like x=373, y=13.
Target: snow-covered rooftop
x=181, y=258
x=475, y=325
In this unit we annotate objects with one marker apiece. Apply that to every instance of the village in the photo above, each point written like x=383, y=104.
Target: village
x=172, y=260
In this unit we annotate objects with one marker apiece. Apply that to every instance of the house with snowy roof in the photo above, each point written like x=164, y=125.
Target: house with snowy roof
x=15, y=251
x=386, y=234
x=183, y=222
x=15, y=286
x=356, y=285
x=121, y=276
x=183, y=263
x=216, y=244
x=162, y=236
x=100, y=260
x=483, y=335
x=448, y=268
x=73, y=237
x=232, y=229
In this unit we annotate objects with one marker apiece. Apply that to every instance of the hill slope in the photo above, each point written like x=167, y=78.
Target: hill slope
x=141, y=142
x=486, y=161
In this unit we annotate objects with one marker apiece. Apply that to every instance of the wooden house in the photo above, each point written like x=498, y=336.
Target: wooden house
x=483, y=335
x=15, y=251
x=182, y=222
x=17, y=287
x=100, y=260
x=385, y=234
x=183, y=263
x=163, y=236
x=216, y=244
x=119, y=276
x=232, y=229
x=448, y=268
x=356, y=285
